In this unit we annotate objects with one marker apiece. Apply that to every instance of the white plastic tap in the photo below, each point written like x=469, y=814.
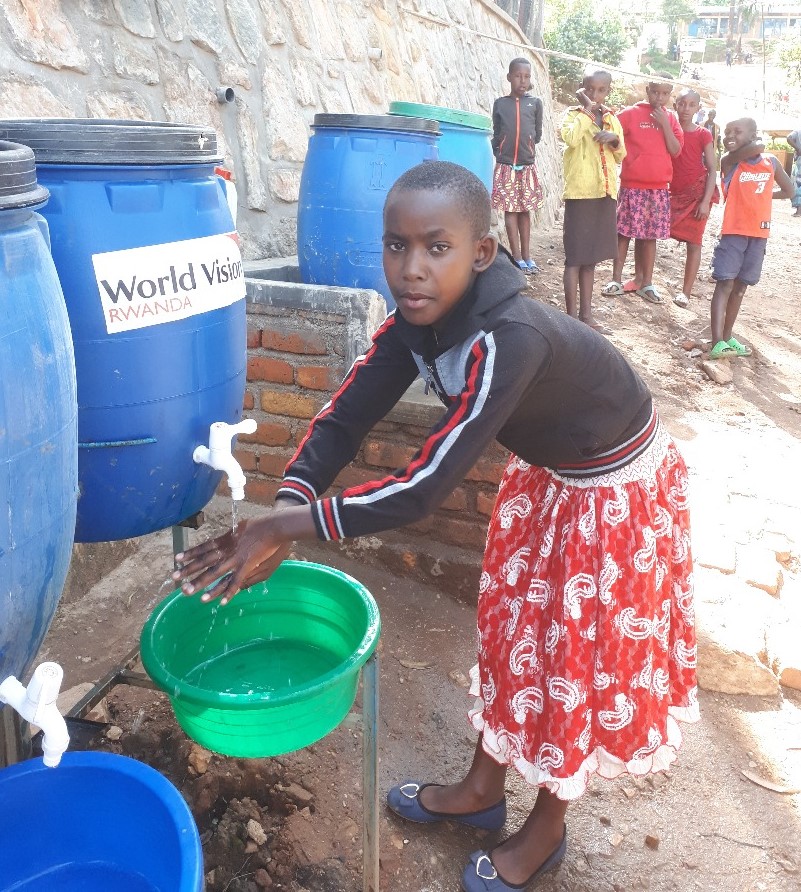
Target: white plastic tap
x=218, y=454
x=37, y=705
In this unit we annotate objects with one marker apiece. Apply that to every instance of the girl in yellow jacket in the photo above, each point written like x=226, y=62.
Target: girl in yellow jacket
x=594, y=140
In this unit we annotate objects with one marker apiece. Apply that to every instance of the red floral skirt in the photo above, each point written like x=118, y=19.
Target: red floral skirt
x=587, y=648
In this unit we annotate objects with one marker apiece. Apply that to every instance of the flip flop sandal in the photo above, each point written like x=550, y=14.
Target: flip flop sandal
x=612, y=289
x=480, y=874
x=404, y=801
x=739, y=349
x=681, y=300
x=649, y=293
x=722, y=350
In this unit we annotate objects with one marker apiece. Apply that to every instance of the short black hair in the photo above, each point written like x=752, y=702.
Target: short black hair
x=460, y=183
x=593, y=72
x=747, y=122
x=520, y=60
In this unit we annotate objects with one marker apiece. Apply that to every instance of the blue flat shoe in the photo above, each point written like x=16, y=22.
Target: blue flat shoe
x=404, y=801
x=480, y=874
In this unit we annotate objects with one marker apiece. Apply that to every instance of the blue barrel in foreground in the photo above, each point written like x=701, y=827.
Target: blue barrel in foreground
x=351, y=164
x=145, y=248
x=99, y=823
x=465, y=137
x=38, y=420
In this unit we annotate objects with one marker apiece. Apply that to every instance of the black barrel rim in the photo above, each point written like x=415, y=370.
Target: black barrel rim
x=378, y=122
x=18, y=185
x=110, y=141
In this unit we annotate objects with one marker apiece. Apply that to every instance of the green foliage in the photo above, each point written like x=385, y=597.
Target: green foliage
x=619, y=96
x=748, y=12
x=790, y=59
x=675, y=11
x=581, y=29
x=715, y=50
x=659, y=63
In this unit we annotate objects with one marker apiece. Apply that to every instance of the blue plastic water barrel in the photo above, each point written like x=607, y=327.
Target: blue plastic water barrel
x=465, y=137
x=143, y=242
x=38, y=420
x=99, y=823
x=351, y=164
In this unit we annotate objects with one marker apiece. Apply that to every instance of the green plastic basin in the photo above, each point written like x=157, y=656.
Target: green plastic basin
x=271, y=672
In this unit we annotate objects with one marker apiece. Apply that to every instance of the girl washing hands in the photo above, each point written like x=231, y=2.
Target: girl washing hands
x=586, y=646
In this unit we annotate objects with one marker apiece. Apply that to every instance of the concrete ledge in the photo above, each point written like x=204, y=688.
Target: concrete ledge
x=454, y=571
x=276, y=269
x=363, y=309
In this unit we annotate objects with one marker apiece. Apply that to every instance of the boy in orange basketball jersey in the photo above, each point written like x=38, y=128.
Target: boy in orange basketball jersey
x=748, y=178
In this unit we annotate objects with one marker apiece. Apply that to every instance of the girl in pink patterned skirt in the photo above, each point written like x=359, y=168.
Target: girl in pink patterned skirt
x=653, y=138
x=586, y=647
x=516, y=189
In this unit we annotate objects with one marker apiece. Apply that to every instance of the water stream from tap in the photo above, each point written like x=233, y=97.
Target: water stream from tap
x=205, y=661
x=234, y=517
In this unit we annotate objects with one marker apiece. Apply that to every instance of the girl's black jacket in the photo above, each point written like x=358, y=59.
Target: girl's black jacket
x=516, y=128
x=506, y=367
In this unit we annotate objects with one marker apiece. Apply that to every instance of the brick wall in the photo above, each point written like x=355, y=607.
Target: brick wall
x=301, y=341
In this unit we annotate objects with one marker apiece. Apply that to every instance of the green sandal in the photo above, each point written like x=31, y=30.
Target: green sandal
x=722, y=350
x=739, y=349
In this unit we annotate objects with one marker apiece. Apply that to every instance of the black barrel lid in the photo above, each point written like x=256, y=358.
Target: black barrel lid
x=18, y=186
x=377, y=122
x=99, y=141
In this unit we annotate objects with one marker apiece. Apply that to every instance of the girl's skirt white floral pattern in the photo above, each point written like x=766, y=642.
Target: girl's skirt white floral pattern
x=587, y=653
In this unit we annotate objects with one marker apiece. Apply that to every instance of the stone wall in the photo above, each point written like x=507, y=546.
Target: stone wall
x=284, y=60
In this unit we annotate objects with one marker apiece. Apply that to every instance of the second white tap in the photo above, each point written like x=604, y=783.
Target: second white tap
x=37, y=705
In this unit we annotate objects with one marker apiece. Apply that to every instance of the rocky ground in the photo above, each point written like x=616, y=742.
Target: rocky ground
x=726, y=818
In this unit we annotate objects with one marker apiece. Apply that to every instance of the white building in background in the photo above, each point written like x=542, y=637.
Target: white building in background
x=774, y=20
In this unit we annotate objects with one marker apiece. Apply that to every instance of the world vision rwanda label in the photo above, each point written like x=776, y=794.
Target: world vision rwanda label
x=140, y=287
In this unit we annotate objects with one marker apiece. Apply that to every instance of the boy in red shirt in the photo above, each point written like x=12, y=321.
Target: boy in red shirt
x=748, y=178
x=653, y=138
